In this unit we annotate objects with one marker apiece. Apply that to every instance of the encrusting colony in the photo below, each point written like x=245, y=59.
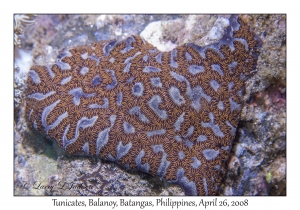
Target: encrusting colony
x=171, y=114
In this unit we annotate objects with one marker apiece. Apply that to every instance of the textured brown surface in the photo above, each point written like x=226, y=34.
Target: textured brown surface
x=95, y=115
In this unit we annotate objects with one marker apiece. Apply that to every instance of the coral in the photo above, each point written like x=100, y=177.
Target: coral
x=23, y=62
x=20, y=22
x=272, y=59
x=83, y=176
x=171, y=114
x=257, y=166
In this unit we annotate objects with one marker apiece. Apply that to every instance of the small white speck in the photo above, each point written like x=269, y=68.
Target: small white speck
x=118, y=32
